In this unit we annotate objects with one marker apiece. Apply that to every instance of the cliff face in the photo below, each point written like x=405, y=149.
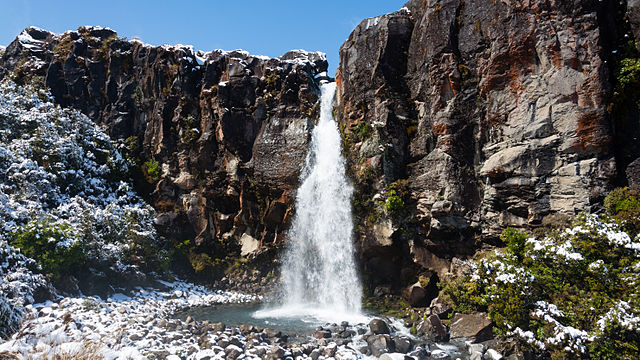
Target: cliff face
x=219, y=137
x=480, y=115
x=459, y=118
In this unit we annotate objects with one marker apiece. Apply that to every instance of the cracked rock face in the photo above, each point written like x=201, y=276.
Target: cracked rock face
x=494, y=113
x=219, y=137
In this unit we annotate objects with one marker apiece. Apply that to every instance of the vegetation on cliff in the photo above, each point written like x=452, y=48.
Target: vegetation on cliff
x=68, y=214
x=570, y=293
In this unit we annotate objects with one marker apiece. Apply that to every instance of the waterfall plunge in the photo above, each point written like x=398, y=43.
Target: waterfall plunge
x=318, y=272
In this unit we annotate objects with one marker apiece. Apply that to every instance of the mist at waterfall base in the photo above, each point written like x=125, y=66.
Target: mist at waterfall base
x=319, y=277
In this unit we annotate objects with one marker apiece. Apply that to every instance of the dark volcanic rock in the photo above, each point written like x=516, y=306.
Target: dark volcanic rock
x=226, y=132
x=481, y=115
x=475, y=326
x=380, y=344
x=432, y=328
x=633, y=174
x=378, y=326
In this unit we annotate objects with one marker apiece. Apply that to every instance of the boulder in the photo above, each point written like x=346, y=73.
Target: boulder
x=248, y=245
x=272, y=333
x=232, y=352
x=415, y=295
x=378, y=326
x=403, y=344
x=432, y=328
x=322, y=334
x=439, y=308
x=380, y=344
x=478, y=327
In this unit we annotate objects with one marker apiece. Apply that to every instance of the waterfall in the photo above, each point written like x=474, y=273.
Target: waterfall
x=319, y=274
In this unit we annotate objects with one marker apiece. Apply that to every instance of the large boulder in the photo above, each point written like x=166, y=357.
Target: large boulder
x=432, y=328
x=477, y=327
x=380, y=344
x=378, y=326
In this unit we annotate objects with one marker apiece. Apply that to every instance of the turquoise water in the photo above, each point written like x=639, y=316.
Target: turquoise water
x=239, y=314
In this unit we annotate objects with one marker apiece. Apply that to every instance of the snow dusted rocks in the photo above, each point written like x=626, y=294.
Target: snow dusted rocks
x=123, y=326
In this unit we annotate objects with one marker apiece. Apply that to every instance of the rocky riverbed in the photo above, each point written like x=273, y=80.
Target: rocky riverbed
x=143, y=325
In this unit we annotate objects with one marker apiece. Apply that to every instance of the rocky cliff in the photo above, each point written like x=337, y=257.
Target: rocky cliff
x=219, y=138
x=463, y=117
x=459, y=118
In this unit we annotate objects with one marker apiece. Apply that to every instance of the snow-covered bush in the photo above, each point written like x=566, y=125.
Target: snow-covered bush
x=10, y=316
x=65, y=196
x=573, y=293
x=19, y=285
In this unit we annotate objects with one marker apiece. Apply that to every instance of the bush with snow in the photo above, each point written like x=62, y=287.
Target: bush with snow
x=20, y=284
x=572, y=293
x=65, y=196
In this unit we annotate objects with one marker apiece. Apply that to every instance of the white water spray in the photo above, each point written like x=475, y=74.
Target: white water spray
x=318, y=272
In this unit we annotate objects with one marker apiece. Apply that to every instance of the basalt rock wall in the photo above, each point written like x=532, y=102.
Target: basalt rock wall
x=463, y=117
x=218, y=138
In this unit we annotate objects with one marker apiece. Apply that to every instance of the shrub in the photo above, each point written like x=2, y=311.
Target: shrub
x=515, y=241
x=10, y=317
x=622, y=199
x=51, y=245
x=394, y=203
x=623, y=204
x=151, y=171
x=570, y=294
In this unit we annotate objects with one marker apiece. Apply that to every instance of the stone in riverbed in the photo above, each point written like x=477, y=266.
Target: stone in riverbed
x=330, y=350
x=247, y=329
x=393, y=356
x=440, y=355
x=378, y=326
x=432, y=328
x=275, y=352
x=272, y=333
x=419, y=353
x=232, y=352
x=380, y=344
x=322, y=334
x=219, y=326
x=438, y=307
x=315, y=354
x=223, y=342
x=403, y=344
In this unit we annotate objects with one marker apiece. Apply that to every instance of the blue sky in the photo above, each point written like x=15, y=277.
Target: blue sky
x=265, y=27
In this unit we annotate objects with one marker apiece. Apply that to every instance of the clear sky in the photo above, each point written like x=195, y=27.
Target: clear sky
x=262, y=27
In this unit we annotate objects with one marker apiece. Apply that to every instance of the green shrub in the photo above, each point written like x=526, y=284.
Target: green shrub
x=627, y=77
x=623, y=204
x=51, y=245
x=622, y=199
x=151, y=171
x=569, y=294
x=515, y=241
x=394, y=203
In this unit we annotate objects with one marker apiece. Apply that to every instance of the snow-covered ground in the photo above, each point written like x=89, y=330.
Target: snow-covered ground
x=121, y=327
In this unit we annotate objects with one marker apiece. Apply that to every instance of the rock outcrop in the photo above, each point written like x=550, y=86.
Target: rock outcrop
x=479, y=115
x=219, y=137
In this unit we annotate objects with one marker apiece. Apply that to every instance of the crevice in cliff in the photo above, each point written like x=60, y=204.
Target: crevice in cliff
x=620, y=51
